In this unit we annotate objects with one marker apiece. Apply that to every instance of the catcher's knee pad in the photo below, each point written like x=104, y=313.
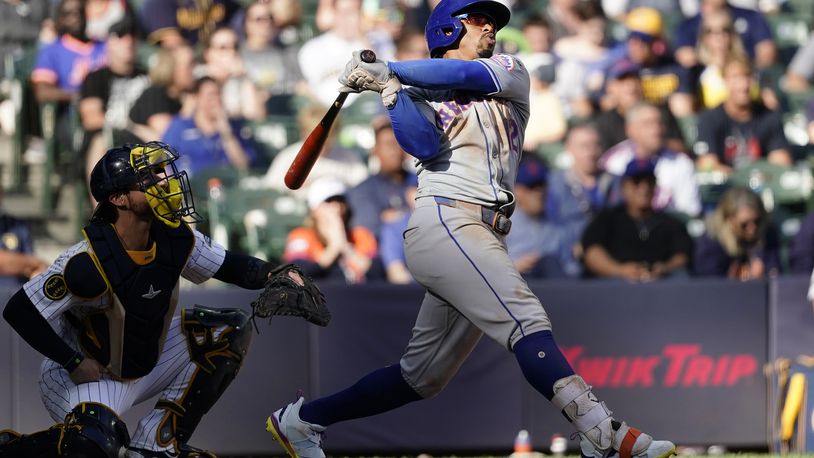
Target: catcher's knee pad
x=218, y=340
x=92, y=430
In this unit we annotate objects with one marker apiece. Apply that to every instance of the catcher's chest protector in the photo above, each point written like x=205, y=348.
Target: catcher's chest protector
x=128, y=337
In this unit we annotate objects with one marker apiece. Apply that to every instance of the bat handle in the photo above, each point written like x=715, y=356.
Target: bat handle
x=368, y=56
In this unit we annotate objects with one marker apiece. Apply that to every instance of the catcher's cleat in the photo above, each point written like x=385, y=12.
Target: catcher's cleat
x=282, y=295
x=184, y=451
x=299, y=439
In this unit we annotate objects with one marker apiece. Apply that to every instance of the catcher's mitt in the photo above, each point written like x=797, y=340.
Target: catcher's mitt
x=283, y=296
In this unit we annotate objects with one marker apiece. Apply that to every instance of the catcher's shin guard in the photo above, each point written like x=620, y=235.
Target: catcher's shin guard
x=90, y=430
x=42, y=444
x=218, y=357
x=601, y=435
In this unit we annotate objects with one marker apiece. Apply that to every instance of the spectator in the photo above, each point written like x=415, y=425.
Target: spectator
x=547, y=122
x=581, y=57
x=335, y=161
x=63, y=65
x=577, y=194
x=801, y=251
x=328, y=247
x=562, y=18
x=17, y=260
x=208, y=138
x=222, y=62
x=623, y=91
x=740, y=130
x=533, y=242
x=269, y=65
x=676, y=188
x=739, y=243
x=107, y=95
x=323, y=58
x=170, y=77
x=663, y=80
x=391, y=245
x=618, y=8
x=174, y=22
x=634, y=241
x=800, y=71
x=20, y=27
x=102, y=14
x=288, y=20
x=380, y=197
x=751, y=25
x=719, y=42
x=411, y=45
x=537, y=33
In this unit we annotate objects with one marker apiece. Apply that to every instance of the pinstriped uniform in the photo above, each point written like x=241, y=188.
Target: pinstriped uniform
x=473, y=287
x=171, y=374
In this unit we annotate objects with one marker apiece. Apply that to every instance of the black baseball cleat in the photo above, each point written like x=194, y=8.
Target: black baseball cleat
x=184, y=451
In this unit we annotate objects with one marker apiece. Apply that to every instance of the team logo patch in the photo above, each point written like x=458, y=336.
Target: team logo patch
x=10, y=241
x=504, y=60
x=55, y=287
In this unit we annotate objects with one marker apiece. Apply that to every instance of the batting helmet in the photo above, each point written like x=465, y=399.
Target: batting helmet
x=149, y=168
x=444, y=27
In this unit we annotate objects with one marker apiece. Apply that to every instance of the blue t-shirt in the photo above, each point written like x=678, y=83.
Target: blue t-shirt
x=67, y=61
x=198, y=151
x=750, y=25
x=391, y=244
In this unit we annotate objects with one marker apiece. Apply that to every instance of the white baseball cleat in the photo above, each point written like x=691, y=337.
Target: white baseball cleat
x=300, y=439
x=601, y=436
x=627, y=442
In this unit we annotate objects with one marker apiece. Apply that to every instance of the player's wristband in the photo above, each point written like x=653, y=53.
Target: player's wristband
x=73, y=362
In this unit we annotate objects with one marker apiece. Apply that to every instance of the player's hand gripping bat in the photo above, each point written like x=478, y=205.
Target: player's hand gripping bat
x=312, y=146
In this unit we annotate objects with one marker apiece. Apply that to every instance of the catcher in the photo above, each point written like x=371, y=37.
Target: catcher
x=104, y=316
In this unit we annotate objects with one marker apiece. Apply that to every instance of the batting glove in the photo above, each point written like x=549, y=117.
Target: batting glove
x=362, y=76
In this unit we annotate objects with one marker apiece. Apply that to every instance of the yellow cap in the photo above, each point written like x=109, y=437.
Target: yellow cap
x=645, y=20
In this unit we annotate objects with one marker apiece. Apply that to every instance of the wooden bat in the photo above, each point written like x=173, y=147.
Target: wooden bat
x=312, y=146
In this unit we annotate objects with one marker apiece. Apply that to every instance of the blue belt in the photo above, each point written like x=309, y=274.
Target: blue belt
x=494, y=218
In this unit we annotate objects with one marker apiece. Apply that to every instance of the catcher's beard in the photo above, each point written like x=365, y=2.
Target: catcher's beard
x=140, y=208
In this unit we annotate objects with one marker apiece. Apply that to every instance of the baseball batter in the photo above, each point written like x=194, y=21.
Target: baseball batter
x=104, y=316
x=463, y=119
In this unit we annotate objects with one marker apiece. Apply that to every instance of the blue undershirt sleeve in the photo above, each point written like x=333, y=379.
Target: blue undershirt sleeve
x=414, y=132
x=468, y=75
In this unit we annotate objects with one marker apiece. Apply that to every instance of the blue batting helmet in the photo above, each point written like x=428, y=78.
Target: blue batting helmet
x=443, y=27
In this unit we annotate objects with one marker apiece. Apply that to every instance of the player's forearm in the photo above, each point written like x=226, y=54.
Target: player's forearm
x=445, y=74
x=21, y=314
x=244, y=271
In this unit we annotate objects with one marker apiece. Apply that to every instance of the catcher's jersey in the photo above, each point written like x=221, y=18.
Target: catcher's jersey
x=481, y=136
x=52, y=298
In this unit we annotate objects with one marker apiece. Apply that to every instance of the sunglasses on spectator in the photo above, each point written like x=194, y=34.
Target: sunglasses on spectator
x=743, y=225
x=265, y=18
x=726, y=30
x=224, y=47
x=477, y=19
x=639, y=179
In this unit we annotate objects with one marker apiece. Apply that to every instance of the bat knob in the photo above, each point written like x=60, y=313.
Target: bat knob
x=368, y=56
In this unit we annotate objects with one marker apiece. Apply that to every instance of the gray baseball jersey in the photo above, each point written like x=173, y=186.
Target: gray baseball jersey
x=472, y=284
x=482, y=136
x=172, y=372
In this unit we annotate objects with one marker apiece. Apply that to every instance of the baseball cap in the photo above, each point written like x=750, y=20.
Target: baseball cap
x=324, y=189
x=640, y=168
x=623, y=68
x=644, y=23
x=125, y=26
x=531, y=172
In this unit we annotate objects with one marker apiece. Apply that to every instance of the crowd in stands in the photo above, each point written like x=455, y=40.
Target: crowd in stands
x=656, y=145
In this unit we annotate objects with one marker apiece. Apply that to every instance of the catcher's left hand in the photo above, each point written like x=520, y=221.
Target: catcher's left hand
x=284, y=295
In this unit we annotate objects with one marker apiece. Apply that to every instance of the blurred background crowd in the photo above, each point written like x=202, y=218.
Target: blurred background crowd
x=667, y=138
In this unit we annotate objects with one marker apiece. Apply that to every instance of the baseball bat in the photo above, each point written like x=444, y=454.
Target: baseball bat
x=312, y=146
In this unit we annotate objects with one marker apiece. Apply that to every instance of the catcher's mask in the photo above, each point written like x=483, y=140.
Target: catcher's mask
x=149, y=168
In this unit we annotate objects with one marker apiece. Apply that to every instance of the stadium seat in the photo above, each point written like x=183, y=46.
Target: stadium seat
x=554, y=155
x=273, y=134
x=18, y=72
x=689, y=129
x=780, y=186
